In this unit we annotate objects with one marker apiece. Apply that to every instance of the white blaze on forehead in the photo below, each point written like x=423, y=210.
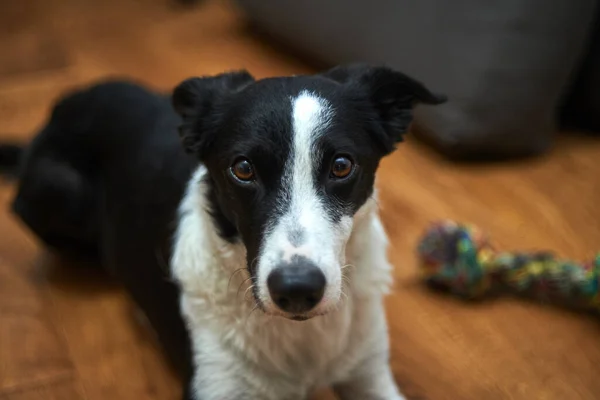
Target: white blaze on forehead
x=305, y=228
x=310, y=116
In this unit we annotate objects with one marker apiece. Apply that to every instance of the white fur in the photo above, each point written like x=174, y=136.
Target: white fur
x=243, y=353
x=323, y=241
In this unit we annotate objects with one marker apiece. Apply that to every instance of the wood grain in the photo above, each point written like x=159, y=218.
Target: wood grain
x=68, y=332
x=31, y=348
x=67, y=390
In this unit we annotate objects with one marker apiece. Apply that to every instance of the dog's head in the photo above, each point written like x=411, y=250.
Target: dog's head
x=290, y=162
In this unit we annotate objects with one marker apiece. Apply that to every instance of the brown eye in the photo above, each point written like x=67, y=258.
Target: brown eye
x=242, y=170
x=342, y=167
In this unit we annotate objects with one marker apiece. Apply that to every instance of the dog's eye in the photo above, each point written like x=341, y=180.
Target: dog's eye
x=342, y=167
x=242, y=170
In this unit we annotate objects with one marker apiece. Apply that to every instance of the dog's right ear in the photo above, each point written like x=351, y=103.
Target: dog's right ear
x=199, y=101
x=391, y=93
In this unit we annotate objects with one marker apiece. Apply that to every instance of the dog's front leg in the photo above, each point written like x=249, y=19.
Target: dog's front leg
x=214, y=383
x=193, y=392
x=372, y=381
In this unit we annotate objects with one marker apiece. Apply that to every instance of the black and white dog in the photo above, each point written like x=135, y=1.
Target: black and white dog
x=267, y=214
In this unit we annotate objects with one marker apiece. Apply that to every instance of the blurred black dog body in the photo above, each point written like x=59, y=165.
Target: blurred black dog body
x=101, y=182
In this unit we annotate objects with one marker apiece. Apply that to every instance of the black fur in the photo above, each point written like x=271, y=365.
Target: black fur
x=102, y=181
x=10, y=157
x=392, y=94
x=104, y=177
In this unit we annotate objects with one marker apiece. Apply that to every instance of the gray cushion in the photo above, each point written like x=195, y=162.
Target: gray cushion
x=581, y=109
x=504, y=64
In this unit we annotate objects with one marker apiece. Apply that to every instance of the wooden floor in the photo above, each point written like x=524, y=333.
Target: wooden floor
x=67, y=333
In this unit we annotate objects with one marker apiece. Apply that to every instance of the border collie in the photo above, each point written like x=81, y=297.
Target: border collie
x=267, y=214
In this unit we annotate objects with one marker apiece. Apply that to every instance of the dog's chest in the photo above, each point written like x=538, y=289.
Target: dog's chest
x=308, y=352
x=291, y=358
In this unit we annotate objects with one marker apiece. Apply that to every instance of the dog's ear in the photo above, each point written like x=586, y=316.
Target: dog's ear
x=392, y=94
x=200, y=102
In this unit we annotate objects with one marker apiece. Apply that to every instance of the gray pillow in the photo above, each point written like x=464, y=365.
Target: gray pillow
x=504, y=64
x=581, y=109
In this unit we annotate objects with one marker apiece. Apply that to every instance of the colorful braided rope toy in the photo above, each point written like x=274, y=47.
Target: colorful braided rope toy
x=462, y=260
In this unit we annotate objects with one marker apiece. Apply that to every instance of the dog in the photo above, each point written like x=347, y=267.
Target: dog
x=261, y=196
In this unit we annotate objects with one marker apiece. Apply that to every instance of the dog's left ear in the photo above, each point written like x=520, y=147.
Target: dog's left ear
x=392, y=94
x=200, y=102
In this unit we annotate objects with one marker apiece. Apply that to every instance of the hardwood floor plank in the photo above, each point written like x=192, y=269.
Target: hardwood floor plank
x=32, y=51
x=31, y=349
x=64, y=390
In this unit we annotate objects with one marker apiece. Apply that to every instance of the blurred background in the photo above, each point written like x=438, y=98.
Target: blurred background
x=515, y=151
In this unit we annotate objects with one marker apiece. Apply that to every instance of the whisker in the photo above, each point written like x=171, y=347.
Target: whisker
x=344, y=295
x=346, y=280
x=256, y=306
x=253, y=262
x=237, y=293
x=246, y=292
x=347, y=266
x=232, y=275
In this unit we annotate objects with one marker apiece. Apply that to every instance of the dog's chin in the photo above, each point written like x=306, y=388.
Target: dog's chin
x=317, y=312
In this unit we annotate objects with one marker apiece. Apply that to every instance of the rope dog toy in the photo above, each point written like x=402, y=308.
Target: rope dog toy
x=462, y=260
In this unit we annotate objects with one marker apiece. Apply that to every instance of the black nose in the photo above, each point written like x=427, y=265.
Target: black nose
x=296, y=288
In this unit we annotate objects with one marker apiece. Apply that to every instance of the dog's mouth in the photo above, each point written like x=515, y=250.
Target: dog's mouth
x=306, y=317
x=295, y=317
x=299, y=318
x=292, y=317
